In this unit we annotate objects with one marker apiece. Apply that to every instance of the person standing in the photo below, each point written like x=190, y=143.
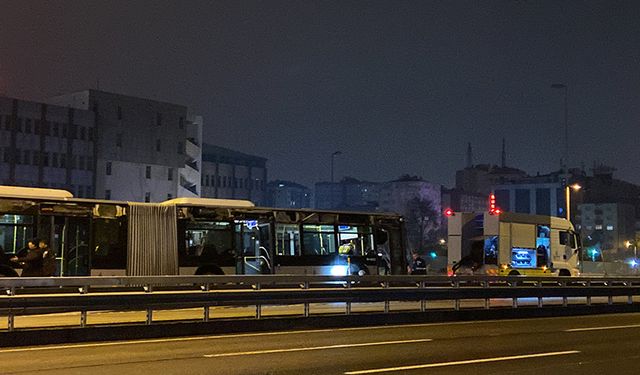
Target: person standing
x=32, y=262
x=418, y=266
x=48, y=259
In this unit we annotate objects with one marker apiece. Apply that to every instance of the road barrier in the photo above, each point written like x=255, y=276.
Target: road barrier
x=29, y=296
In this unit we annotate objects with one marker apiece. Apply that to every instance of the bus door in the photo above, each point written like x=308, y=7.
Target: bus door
x=68, y=237
x=253, y=239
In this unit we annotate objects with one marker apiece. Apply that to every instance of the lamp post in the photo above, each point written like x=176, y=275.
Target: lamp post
x=333, y=157
x=566, y=120
x=567, y=197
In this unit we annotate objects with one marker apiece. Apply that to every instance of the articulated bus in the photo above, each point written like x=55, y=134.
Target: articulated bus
x=198, y=236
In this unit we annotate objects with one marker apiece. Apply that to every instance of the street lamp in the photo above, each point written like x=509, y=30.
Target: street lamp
x=567, y=197
x=333, y=156
x=566, y=120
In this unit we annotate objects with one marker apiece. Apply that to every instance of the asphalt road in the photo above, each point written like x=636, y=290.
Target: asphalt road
x=607, y=344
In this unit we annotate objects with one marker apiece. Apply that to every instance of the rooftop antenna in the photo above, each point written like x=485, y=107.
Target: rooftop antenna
x=469, y=156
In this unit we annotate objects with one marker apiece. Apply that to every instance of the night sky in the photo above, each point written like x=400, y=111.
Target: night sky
x=397, y=86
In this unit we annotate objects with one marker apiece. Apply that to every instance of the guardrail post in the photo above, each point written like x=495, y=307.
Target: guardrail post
x=83, y=312
x=149, y=289
x=305, y=286
x=11, y=318
x=589, y=297
x=348, y=303
x=206, y=288
x=487, y=301
x=514, y=299
x=539, y=285
x=456, y=302
x=258, y=306
x=385, y=285
x=423, y=302
x=630, y=296
x=565, y=299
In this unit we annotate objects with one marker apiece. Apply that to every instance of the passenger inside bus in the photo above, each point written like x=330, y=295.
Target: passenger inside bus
x=347, y=248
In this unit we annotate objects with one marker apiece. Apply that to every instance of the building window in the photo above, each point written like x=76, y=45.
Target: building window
x=90, y=134
x=45, y=159
x=90, y=163
x=108, y=167
x=119, y=113
x=206, y=180
x=158, y=145
x=54, y=160
x=63, y=160
x=609, y=227
x=170, y=174
x=217, y=181
x=107, y=194
x=81, y=162
x=147, y=172
x=27, y=126
x=599, y=227
x=119, y=140
x=180, y=148
x=56, y=129
x=83, y=133
x=27, y=157
x=158, y=118
x=169, y=196
x=181, y=123
x=147, y=197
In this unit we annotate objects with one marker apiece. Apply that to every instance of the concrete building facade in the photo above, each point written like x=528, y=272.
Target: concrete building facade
x=45, y=145
x=287, y=194
x=142, y=147
x=230, y=174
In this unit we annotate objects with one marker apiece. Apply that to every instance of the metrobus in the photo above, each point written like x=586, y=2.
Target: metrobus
x=198, y=236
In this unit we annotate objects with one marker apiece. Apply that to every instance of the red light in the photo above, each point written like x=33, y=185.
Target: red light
x=496, y=211
x=492, y=202
x=448, y=212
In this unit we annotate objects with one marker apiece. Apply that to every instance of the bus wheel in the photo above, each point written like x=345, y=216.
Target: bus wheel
x=564, y=273
x=514, y=273
x=209, y=270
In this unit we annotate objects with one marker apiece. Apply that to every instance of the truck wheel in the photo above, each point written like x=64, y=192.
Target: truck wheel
x=514, y=273
x=564, y=273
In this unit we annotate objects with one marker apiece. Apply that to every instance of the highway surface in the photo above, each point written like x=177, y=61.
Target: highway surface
x=606, y=344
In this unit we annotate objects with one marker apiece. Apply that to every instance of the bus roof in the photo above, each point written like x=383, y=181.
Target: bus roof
x=208, y=202
x=29, y=192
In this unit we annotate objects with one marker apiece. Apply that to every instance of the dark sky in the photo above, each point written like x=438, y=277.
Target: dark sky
x=397, y=86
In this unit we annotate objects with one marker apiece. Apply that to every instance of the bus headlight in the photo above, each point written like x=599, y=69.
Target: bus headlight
x=339, y=270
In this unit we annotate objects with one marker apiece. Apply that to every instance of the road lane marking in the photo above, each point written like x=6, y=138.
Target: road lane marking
x=601, y=328
x=455, y=363
x=341, y=346
x=216, y=337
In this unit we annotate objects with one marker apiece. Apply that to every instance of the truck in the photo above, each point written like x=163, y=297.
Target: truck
x=510, y=244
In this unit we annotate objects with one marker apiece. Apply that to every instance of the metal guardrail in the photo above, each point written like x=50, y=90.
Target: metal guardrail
x=84, y=294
